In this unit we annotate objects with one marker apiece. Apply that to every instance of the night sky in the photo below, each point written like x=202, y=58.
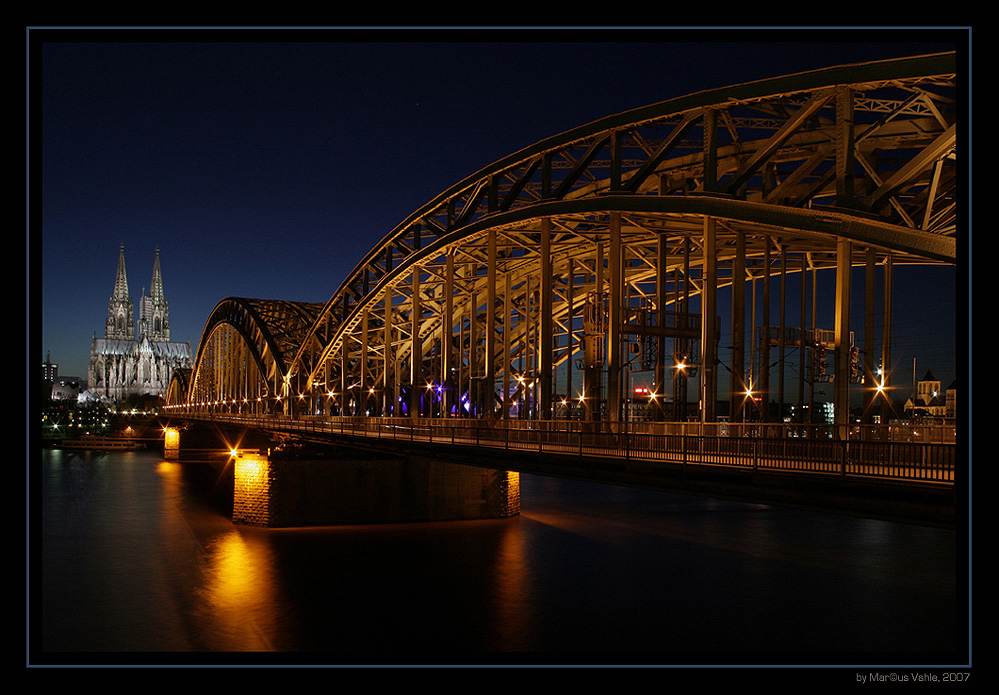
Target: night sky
x=266, y=163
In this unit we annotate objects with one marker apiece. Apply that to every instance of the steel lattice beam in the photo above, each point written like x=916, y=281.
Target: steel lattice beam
x=491, y=281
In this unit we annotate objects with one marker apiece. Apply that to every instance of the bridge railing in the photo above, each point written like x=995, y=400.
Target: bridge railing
x=935, y=431
x=886, y=459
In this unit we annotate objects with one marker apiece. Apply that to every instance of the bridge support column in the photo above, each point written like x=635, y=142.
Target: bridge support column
x=841, y=385
x=415, y=350
x=708, y=336
x=870, y=263
x=488, y=396
x=886, y=340
x=593, y=337
x=546, y=371
x=171, y=443
x=614, y=357
x=447, y=341
x=278, y=491
x=737, y=383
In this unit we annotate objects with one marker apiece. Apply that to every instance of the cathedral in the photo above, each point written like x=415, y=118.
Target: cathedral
x=136, y=358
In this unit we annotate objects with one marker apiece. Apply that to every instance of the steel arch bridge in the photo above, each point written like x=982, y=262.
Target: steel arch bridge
x=535, y=287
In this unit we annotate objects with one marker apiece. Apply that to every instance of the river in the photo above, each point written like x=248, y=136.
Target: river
x=134, y=560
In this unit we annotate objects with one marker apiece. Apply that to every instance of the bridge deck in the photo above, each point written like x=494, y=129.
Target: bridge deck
x=900, y=461
x=911, y=482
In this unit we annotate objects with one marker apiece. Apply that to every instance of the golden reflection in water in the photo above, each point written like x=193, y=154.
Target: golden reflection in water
x=234, y=582
x=512, y=585
x=239, y=591
x=170, y=480
x=169, y=471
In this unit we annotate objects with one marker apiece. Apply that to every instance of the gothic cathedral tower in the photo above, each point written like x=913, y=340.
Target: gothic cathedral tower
x=121, y=319
x=127, y=361
x=154, y=314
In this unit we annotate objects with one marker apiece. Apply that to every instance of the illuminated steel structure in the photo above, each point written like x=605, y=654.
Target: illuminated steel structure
x=536, y=287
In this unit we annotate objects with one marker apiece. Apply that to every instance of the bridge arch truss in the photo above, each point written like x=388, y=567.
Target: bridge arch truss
x=536, y=287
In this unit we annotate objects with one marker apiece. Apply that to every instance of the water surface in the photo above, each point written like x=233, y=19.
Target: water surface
x=138, y=561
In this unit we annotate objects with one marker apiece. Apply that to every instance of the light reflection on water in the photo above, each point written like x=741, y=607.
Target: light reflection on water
x=138, y=555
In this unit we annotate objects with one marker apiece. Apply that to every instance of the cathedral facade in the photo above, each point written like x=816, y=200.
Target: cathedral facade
x=136, y=357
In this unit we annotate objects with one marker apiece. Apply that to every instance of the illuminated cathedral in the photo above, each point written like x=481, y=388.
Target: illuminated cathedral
x=135, y=358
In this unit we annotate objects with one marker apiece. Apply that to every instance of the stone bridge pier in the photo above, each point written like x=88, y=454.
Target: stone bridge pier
x=286, y=490
x=324, y=485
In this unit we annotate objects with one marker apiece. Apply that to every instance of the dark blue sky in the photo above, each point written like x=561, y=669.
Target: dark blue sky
x=265, y=164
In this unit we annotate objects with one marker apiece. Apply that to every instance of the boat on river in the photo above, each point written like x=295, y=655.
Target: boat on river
x=94, y=443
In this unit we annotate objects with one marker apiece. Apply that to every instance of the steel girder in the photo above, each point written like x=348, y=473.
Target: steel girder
x=179, y=388
x=827, y=166
x=864, y=152
x=259, y=335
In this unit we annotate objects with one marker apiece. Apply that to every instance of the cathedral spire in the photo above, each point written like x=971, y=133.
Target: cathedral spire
x=156, y=289
x=121, y=280
x=154, y=314
x=121, y=322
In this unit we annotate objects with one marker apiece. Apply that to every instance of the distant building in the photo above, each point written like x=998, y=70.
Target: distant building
x=819, y=413
x=952, y=399
x=59, y=388
x=66, y=389
x=50, y=371
x=136, y=359
x=930, y=400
